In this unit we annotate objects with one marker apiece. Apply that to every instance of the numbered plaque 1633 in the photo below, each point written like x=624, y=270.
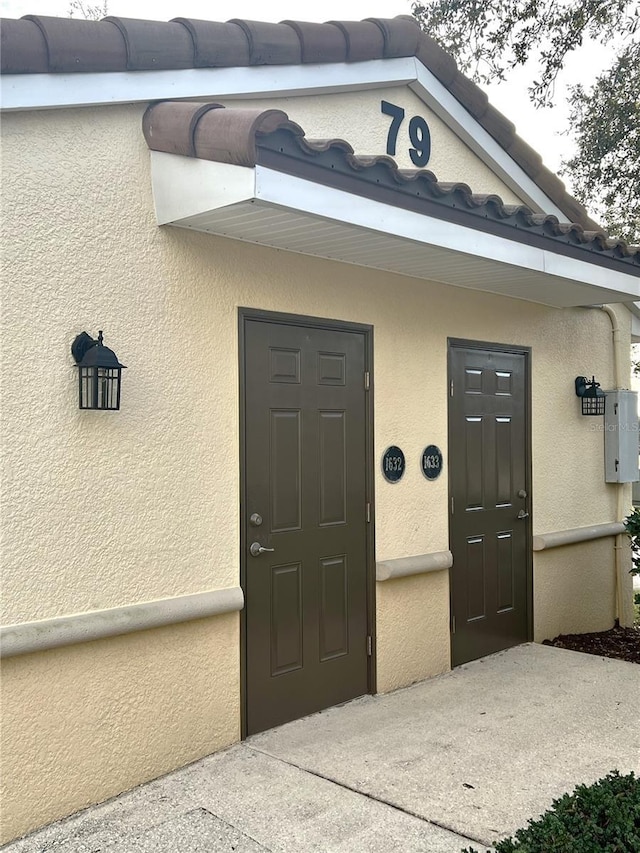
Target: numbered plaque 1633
x=431, y=462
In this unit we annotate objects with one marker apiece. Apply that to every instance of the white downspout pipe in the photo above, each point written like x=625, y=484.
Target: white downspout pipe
x=623, y=583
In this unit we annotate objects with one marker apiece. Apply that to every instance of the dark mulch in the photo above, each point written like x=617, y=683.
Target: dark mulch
x=622, y=643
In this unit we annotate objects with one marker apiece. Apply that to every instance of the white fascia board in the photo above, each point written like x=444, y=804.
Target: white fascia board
x=298, y=194
x=438, y=98
x=51, y=91
x=186, y=186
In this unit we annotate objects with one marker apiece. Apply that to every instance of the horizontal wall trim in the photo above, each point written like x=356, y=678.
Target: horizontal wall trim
x=418, y=565
x=46, y=634
x=577, y=534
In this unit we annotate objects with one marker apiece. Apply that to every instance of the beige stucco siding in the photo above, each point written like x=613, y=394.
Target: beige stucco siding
x=83, y=723
x=412, y=616
x=357, y=117
x=106, y=509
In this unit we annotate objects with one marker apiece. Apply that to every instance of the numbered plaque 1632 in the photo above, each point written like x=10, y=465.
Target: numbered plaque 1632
x=393, y=464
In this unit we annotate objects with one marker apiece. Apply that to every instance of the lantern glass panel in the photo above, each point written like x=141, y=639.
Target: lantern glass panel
x=100, y=388
x=593, y=405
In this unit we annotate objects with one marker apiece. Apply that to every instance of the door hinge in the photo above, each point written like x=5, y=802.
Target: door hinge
x=367, y=380
x=369, y=646
x=453, y=624
x=451, y=388
x=368, y=512
x=452, y=506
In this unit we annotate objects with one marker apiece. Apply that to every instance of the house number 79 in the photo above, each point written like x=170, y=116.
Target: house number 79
x=419, y=135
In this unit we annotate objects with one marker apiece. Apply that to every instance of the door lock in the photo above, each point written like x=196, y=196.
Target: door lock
x=522, y=493
x=255, y=549
x=255, y=519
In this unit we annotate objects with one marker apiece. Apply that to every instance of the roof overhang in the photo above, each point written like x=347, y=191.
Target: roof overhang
x=271, y=208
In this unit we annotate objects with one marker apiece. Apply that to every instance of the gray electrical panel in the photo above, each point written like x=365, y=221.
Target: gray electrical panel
x=621, y=437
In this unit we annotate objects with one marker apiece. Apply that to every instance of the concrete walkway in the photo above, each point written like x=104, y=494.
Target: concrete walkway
x=462, y=759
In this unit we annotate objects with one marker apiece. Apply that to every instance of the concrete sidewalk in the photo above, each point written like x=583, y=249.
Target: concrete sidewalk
x=465, y=758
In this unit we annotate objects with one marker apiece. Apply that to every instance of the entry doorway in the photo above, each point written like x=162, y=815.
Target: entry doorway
x=306, y=516
x=489, y=498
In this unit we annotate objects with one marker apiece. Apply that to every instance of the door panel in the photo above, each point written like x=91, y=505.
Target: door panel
x=488, y=467
x=305, y=475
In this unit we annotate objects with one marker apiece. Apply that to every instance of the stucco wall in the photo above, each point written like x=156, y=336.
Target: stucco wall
x=412, y=629
x=357, y=117
x=83, y=723
x=574, y=589
x=99, y=506
x=105, y=509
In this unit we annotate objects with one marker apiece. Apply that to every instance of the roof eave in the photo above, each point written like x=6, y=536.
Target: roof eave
x=269, y=208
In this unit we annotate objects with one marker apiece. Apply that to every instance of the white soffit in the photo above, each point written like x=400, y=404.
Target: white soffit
x=277, y=210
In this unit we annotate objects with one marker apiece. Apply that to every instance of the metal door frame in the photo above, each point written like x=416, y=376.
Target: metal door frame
x=253, y=314
x=507, y=349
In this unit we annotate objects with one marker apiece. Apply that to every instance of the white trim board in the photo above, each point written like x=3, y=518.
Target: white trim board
x=55, y=91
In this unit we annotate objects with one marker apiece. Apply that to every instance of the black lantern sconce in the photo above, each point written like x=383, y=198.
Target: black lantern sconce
x=99, y=373
x=593, y=397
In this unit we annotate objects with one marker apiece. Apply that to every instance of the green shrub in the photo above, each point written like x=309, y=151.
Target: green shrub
x=632, y=525
x=599, y=818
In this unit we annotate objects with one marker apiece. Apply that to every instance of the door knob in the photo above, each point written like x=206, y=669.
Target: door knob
x=523, y=514
x=255, y=549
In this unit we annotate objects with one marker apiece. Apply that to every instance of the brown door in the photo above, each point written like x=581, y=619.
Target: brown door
x=488, y=480
x=305, y=477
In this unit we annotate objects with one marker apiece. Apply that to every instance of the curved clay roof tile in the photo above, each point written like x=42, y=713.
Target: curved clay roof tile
x=270, y=44
x=475, y=100
x=215, y=44
x=229, y=136
x=155, y=45
x=437, y=60
x=499, y=126
x=319, y=146
x=401, y=35
x=23, y=48
x=78, y=45
x=364, y=40
x=319, y=42
x=170, y=126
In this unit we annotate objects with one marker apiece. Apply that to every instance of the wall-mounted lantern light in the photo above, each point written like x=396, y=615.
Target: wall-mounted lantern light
x=99, y=373
x=592, y=395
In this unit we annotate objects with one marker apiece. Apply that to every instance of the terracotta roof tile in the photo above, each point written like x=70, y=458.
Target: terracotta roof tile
x=155, y=45
x=320, y=42
x=271, y=44
x=364, y=40
x=23, y=47
x=216, y=45
x=37, y=44
x=209, y=131
x=401, y=35
x=247, y=137
x=81, y=46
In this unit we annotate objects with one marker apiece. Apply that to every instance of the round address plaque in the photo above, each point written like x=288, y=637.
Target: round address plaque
x=431, y=462
x=393, y=464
